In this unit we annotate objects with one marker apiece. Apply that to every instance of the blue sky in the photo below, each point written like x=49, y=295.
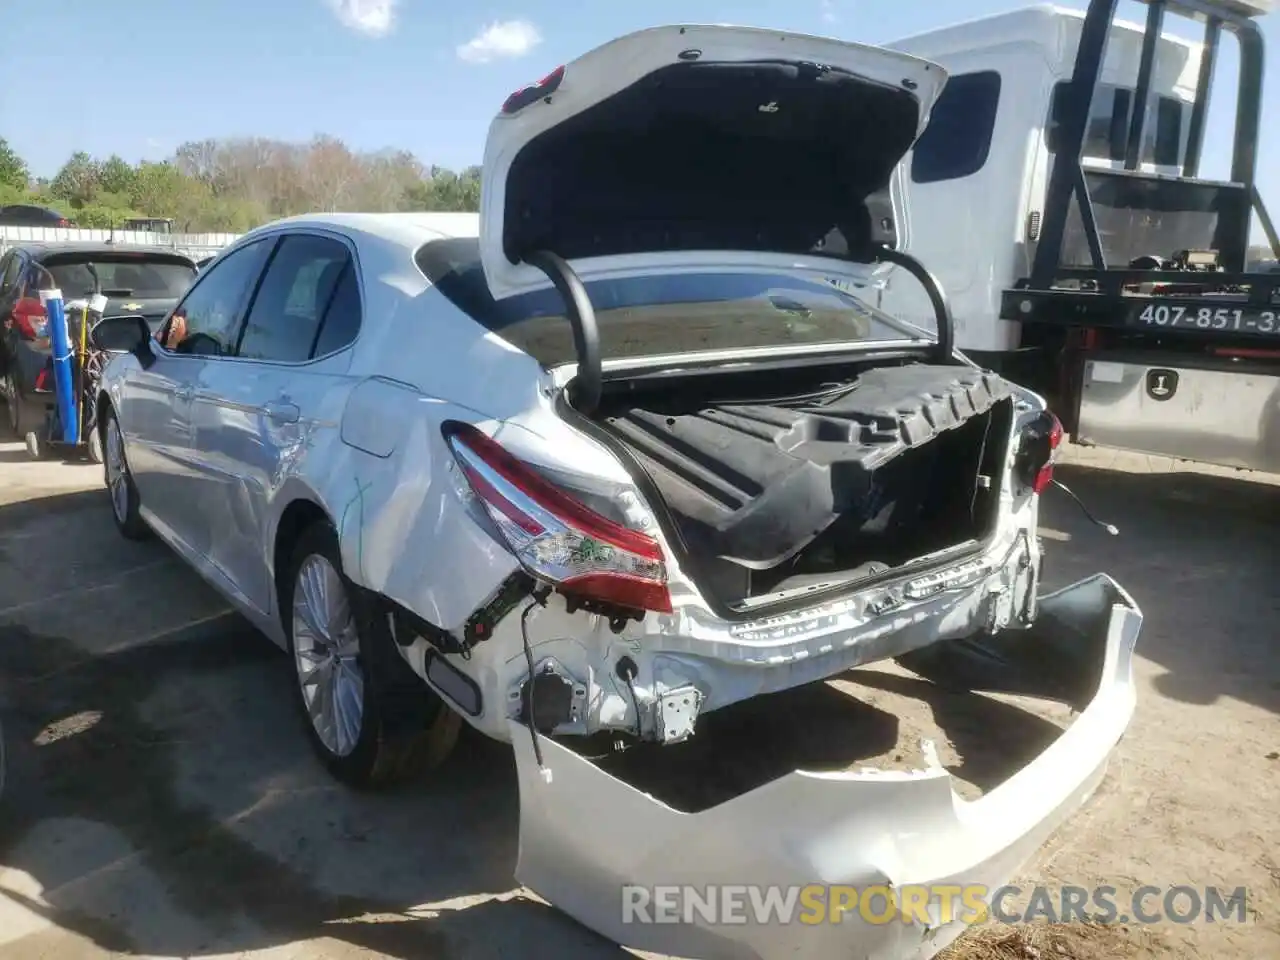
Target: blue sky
x=138, y=77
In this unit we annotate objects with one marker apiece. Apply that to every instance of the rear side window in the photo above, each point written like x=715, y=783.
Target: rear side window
x=957, y=140
x=342, y=318
x=9, y=278
x=295, y=300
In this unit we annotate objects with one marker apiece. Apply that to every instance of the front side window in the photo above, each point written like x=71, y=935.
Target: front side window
x=296, y=295
x=10, y=267
x=208, y=319
x=957, y=140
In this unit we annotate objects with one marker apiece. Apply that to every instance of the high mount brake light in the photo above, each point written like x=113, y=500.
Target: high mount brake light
x=1037, y=450
x=557, y=538
x=534, y=91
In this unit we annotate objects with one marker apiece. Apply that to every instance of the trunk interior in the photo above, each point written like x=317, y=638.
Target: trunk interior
x=792, y=480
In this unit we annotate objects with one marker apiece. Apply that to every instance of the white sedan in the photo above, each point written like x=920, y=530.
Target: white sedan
x=633, y=445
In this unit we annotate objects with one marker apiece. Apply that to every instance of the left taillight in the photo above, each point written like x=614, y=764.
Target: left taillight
x=30, y=319
x=557, y=538
x=1037, y=450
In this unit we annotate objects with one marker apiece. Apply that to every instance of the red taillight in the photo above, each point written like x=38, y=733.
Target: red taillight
x=1037, y=449
x=556, y=537
x=30, y=319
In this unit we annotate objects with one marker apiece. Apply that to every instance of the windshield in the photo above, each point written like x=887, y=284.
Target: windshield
x=665, y=314
x=138, y=276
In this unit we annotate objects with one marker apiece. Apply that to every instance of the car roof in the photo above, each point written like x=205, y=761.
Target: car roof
x=41, y=249
x=409, y=230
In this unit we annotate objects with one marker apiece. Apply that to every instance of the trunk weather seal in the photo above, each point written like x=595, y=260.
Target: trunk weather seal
x=653, y=497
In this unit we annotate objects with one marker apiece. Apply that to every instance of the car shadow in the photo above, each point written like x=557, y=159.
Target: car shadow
x=1198, y=554
x=161, y=800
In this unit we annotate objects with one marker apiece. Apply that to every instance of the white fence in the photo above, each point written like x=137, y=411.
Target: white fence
x=196, y=245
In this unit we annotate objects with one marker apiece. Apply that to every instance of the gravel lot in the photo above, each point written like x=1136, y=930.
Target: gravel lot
x=161, y=800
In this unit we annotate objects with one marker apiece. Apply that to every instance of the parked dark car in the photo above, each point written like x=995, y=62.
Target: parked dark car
x=137, y=280
x=149, y=224
x=30, y=215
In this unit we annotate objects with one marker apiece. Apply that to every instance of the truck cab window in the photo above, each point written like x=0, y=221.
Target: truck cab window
x=1107, y=133
x=957, y=140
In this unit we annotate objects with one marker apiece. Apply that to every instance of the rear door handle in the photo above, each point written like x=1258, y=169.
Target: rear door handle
x=281, y=411
x=184, y=392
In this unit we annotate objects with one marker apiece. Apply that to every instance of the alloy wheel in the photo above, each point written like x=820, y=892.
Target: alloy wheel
x=117, y=475
x=326, y=651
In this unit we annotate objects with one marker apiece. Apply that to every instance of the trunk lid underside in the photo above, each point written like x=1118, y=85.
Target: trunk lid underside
x=669, y=139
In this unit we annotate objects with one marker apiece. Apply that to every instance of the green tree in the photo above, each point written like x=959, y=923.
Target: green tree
x=116, y=176
x=78, y=180
x=13, y=170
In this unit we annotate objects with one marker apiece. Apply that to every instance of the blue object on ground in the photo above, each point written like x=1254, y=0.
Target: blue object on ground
x=63, y=375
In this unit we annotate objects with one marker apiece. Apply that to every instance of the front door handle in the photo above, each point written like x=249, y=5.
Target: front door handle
x=282, y=411
x=184, y=392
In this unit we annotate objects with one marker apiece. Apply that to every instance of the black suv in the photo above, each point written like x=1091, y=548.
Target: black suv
x=135, y=280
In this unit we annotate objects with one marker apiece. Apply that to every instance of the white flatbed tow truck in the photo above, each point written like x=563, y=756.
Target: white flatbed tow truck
x=1111, y=278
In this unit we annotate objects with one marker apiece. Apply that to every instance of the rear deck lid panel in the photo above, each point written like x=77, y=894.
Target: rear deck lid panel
x=701, y=138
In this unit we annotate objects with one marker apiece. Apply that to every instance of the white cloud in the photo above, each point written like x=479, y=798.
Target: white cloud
x=373, y=18
x=829, y=14
x=506, y=39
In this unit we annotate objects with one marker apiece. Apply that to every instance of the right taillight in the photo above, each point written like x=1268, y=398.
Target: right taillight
x=30, y=319
x=557, y=538
x=1037, y=447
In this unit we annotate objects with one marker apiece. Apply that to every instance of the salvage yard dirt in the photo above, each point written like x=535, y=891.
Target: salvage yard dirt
x=161, y=801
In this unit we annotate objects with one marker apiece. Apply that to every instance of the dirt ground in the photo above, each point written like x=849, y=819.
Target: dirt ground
x=161, y=801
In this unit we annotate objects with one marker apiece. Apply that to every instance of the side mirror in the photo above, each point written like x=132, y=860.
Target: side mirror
x=126, y=334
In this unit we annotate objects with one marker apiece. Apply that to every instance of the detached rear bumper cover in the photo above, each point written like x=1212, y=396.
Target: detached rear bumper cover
x=585, y=835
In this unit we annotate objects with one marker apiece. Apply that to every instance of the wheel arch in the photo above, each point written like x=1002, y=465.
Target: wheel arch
x=301, y=511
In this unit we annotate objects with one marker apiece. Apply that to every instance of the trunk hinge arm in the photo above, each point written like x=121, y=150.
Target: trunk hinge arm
x=937, y=298
x=582, y=317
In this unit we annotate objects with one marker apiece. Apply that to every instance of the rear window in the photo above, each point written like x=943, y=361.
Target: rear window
x=137, y=277
x=650, y=316
x=1164, y=132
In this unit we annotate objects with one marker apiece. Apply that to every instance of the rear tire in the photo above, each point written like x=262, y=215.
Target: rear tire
x=370, y=719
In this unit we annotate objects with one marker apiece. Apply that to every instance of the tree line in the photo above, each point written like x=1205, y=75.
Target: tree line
x=235, y=184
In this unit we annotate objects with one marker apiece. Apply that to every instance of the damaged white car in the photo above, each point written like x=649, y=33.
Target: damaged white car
x=635, y=446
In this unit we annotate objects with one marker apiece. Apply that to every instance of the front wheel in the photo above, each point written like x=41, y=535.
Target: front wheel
x=94, y=445
x=126, y=505
x=371, y=720
x=19, y=418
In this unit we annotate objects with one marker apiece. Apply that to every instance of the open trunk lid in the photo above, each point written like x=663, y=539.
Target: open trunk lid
x=710, y=138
